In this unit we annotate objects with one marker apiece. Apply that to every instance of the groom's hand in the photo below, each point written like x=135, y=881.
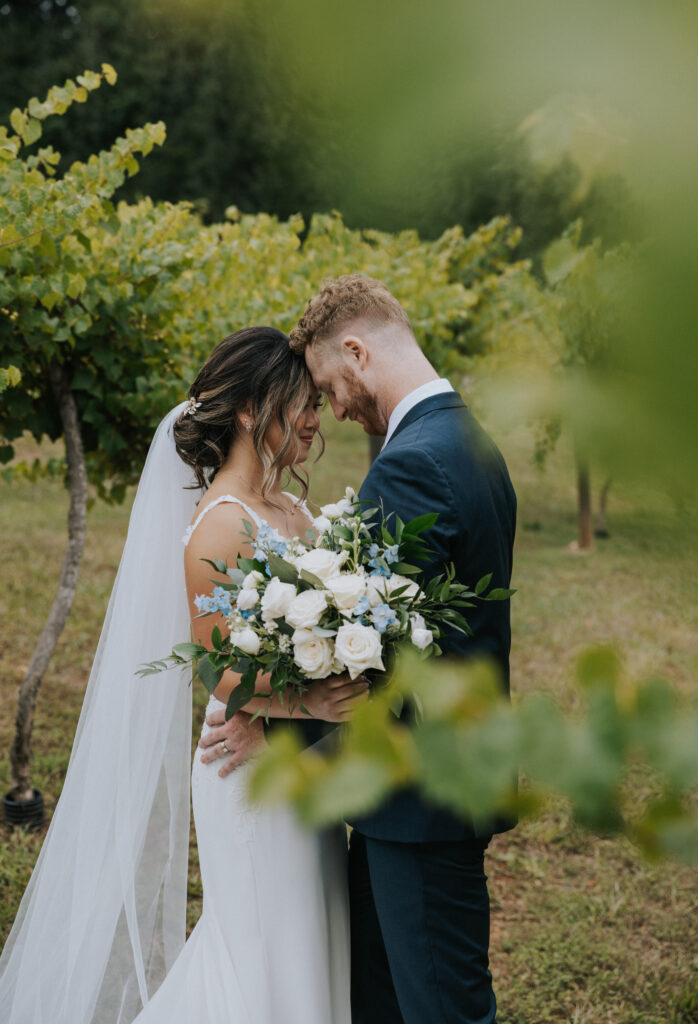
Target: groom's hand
x=239, y=734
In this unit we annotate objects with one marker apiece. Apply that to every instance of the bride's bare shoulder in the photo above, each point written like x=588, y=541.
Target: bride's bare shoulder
x=217, y=531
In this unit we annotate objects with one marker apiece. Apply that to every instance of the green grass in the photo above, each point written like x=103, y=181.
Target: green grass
x=583, y=929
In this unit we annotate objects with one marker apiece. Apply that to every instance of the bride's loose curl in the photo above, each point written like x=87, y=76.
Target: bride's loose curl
x=252, y=370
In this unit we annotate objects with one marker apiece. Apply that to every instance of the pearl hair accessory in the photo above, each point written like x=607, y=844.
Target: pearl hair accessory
x=192, y=407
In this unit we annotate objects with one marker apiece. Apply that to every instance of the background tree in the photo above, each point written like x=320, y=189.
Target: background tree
x=76, y=310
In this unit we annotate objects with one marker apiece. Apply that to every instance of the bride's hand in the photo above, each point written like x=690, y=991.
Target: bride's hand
x=240, y=735
x=335, y=698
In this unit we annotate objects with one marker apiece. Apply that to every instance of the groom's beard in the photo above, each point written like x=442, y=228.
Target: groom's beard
x=361, y=405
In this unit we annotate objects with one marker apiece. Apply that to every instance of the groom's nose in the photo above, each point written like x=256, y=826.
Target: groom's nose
x=339, y=410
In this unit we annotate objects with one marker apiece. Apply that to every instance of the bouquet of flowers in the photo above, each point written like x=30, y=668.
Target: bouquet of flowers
x=339, y=600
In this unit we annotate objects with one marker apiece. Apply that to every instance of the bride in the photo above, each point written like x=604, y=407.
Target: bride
x=102, y=921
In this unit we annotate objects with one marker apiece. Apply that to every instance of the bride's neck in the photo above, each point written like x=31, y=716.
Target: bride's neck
x=242, y=468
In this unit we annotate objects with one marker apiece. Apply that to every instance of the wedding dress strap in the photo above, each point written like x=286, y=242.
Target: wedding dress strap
x=223, y=498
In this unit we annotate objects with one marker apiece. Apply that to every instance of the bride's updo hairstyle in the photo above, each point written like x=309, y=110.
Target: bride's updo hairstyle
x=252, y=370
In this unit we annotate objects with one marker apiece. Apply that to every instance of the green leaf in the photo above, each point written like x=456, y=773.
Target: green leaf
x=284, y=570
x=109, y=73
x=32, y=131
x=312, y=579
x=216, y=638
x=483, y=583
x=189, y=650
x=240, y=696
x=405, y=568
x=499, y=594
x=209, y=675
x=420, y=524
x=250, y=565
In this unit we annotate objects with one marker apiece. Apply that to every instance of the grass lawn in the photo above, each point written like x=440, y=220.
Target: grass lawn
x=583, y=929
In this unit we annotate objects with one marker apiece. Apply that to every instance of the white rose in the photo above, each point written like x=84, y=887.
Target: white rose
x=381, y=588
x=346, y=590
x=321, y=563
x=359, y=647
x=247, y=599
x=277, y=598
x=421, y=637
x=339, y=508
x=252, y=580
x=246, y=639
x=306, y=609
x=322, y=524
x=314, y=655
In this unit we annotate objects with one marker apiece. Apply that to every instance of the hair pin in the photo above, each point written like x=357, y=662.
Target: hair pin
x=192, y=407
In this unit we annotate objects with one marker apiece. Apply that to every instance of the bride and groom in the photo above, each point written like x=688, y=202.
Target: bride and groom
x=102, y=922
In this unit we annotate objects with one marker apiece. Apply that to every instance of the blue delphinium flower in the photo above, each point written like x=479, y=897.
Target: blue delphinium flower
x=278, y=546
x=362, y=605
x=379, y=569
x=392, y=554
x=382, y=617
x=374, y=550
x=222, y=601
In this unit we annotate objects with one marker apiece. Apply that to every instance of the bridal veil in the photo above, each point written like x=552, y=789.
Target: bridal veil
x=103, y=916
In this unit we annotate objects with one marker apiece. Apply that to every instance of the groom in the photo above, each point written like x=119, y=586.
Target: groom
x=418, y=892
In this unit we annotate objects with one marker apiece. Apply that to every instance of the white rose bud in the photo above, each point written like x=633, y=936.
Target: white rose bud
x=247, y=599
x=277, y=598
x=384, y=586
x=421, y=636
x=359, y=647
x=246, y=639
x=306, y=609
x=252, y=580
x=322, y=524
x=346, y=590
x=314, y=655
x=321, y=563
x=336, y=510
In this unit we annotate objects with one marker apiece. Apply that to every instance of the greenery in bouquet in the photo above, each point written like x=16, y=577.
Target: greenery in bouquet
x=341, y=599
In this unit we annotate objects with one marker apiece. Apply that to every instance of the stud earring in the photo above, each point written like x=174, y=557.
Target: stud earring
x=248, y=426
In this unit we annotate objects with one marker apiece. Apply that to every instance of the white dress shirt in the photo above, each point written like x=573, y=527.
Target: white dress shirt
x=432, y=387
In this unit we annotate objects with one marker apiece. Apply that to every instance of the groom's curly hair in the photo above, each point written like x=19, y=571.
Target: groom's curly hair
x=342, y=300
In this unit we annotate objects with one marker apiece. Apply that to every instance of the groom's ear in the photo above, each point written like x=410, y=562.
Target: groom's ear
x=354, y=351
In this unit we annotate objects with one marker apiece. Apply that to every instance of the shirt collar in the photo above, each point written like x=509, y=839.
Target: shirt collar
x=433, y=387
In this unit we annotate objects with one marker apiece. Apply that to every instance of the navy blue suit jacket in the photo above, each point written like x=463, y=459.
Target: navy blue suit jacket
x=441, y=460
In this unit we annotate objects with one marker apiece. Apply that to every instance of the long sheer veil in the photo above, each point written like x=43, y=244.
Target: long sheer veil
x=103, y=916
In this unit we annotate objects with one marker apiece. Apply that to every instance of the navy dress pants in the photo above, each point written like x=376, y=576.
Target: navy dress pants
x=420, y=926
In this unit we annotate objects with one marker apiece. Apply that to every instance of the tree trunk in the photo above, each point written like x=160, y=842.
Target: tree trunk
x=601, y=528
x=20, y=752
x=586, y=538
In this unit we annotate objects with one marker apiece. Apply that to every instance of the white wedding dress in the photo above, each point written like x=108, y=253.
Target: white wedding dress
x=99, y=937
x=272, y=943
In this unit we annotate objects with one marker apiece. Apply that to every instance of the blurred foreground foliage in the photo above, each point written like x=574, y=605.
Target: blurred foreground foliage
x=469, y=742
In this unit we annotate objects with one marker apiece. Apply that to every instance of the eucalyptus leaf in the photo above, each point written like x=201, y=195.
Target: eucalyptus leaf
x=284, y=570
x=209, y=675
